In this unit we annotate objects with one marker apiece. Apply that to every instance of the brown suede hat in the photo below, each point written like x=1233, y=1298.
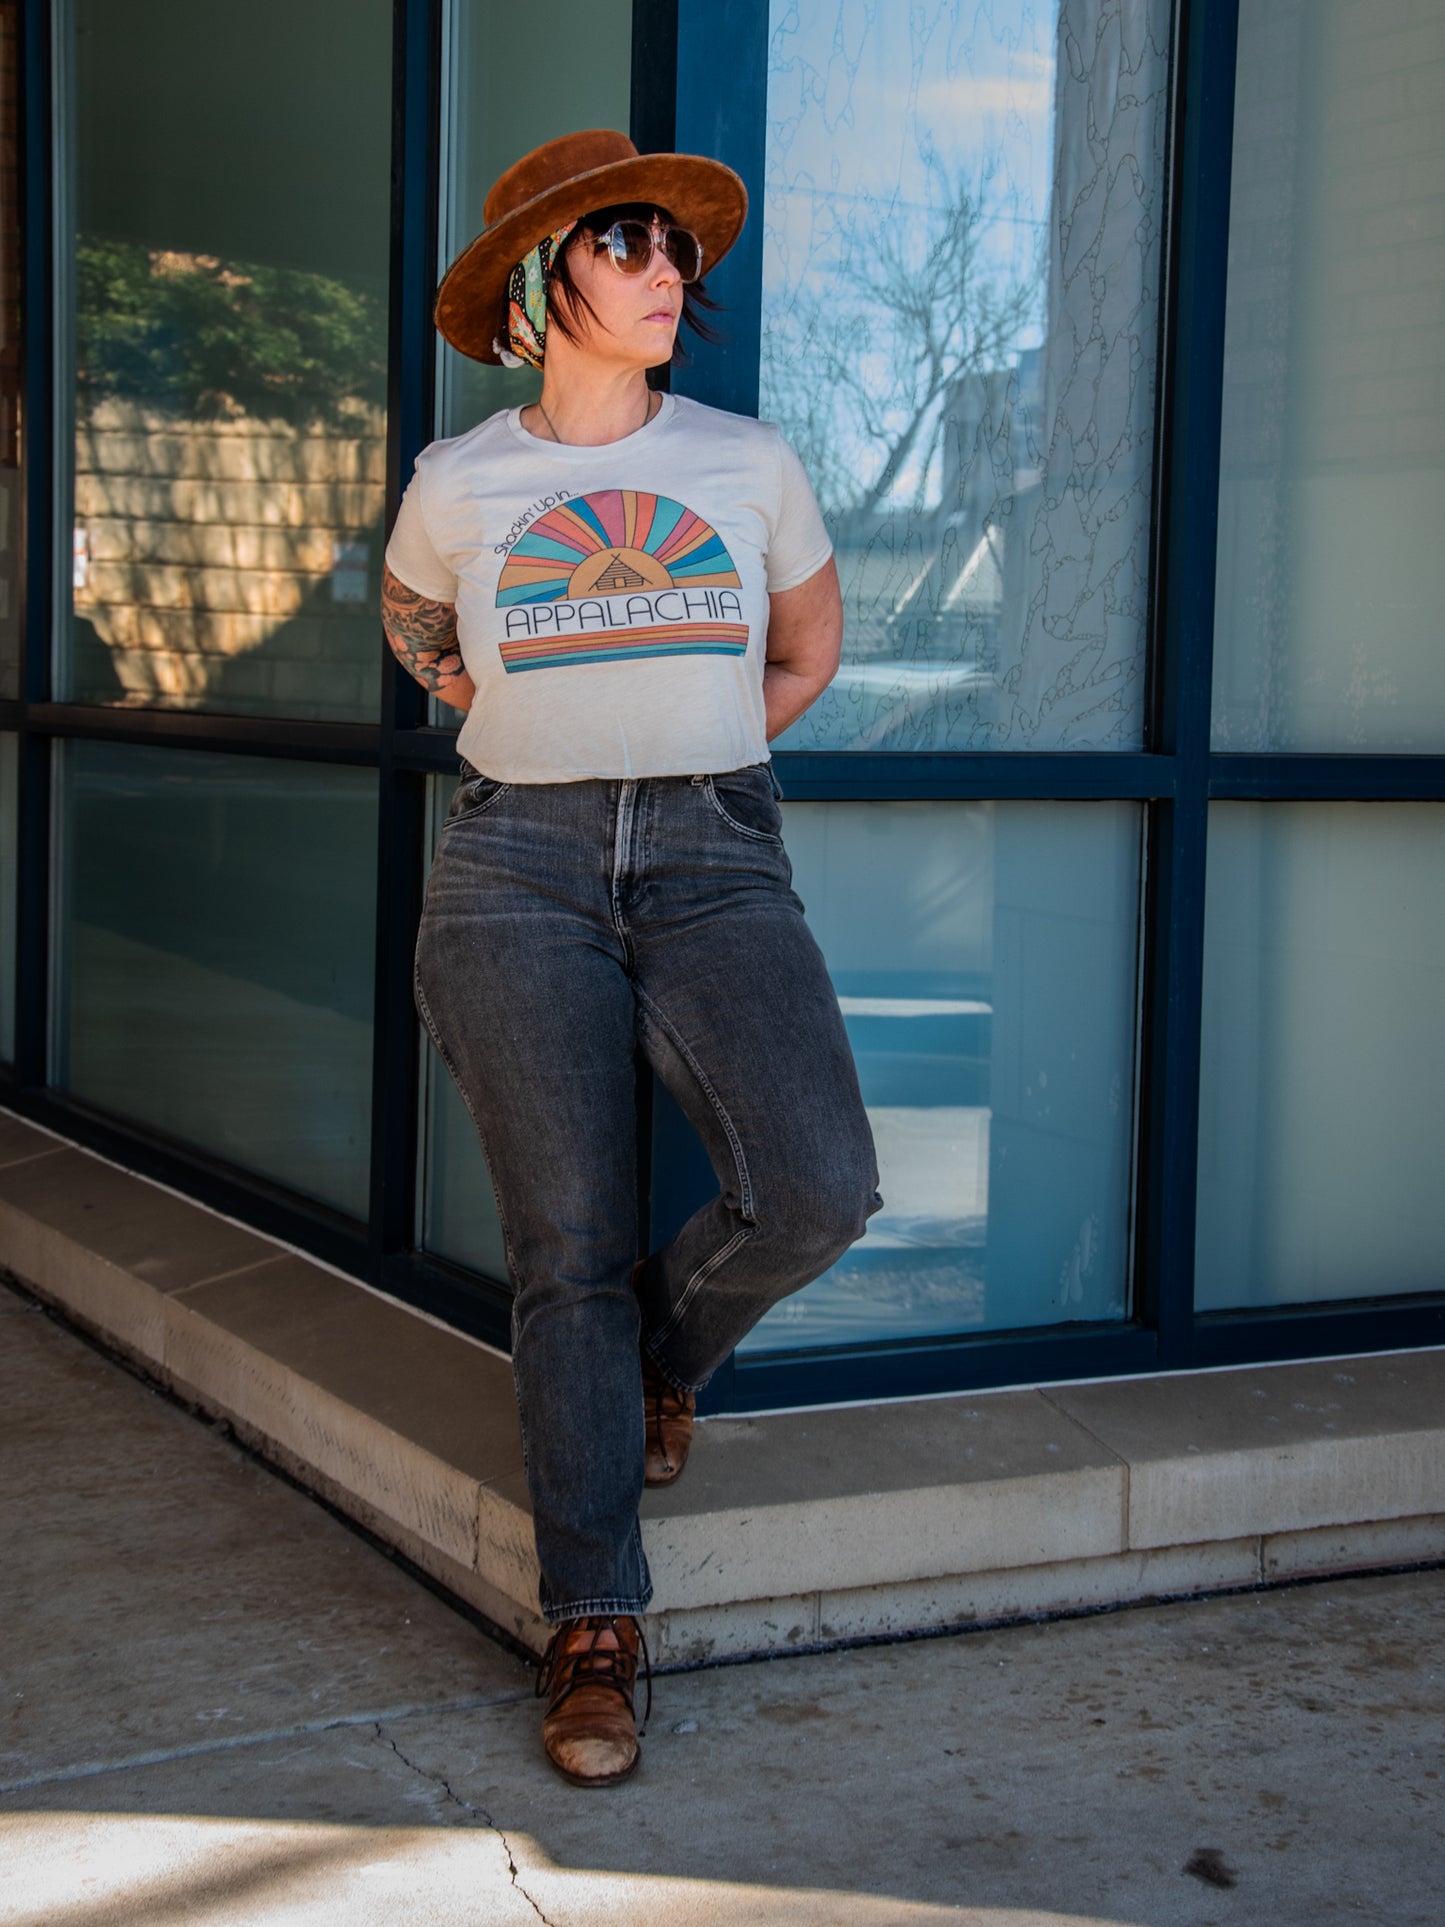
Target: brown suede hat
x=559, y=182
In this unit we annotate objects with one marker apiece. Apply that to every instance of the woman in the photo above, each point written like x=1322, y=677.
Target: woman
x=629, y=595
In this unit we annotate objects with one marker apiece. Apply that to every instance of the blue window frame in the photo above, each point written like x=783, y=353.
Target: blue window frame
x=680, y=47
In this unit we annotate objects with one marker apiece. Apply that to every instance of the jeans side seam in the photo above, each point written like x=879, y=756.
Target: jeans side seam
x=695, y=1283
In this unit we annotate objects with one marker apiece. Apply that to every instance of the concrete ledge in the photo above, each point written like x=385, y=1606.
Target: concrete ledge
x=788, y=1530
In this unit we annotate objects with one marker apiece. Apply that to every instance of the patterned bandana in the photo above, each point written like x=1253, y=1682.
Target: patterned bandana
x=527, y=304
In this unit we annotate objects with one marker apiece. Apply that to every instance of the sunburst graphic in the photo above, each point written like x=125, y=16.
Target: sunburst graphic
x=615, y=543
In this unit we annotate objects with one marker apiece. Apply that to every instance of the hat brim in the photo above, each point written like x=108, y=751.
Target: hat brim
x=700, y=194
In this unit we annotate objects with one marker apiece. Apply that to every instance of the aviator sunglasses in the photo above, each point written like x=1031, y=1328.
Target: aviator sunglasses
x=629, y=245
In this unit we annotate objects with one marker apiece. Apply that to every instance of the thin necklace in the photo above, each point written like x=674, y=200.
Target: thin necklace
x=646, y=418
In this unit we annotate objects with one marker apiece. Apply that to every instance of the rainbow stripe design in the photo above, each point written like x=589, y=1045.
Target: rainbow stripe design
x=623, y=645
x=685, y=549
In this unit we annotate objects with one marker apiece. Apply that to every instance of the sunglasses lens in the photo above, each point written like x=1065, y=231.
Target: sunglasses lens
x=684, y=250
x=631, y=244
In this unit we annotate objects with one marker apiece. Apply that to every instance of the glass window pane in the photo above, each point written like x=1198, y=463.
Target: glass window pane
x=10, y=411
x=216, y=941
x=227, y=185
x=9, y=828
x=984, y=956
x=491, y=121
x=458, y=1206
x=1331, y=571
x=1322, y=1108
x=962, y=224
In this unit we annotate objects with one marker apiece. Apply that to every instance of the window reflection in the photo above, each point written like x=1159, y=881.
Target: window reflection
x=10, y=240
x=229, y=322
x=989, y=995
x=9, y=836
x=963, y=223
x=216, y=956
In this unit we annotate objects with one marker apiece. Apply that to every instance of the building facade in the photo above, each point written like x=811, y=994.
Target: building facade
x=1112, y=333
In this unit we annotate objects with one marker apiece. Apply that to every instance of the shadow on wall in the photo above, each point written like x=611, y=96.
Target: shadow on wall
x=229, y=564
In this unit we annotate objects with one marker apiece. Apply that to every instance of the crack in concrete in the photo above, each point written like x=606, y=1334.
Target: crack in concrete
x=163, y=1755
x=476, y=1812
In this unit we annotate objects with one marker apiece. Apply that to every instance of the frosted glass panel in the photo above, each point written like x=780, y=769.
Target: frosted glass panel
x=1323, y=1098
x=217, y=934
x=1331, y=571
x=962, y=224
x=984, y=956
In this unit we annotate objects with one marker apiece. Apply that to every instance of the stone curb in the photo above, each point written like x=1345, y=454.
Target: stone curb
x=789, y=1530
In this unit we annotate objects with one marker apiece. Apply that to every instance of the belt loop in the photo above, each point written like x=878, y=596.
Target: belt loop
x=773, y=779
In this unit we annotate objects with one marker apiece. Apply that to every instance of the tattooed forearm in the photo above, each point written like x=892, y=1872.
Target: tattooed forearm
x=423, y=638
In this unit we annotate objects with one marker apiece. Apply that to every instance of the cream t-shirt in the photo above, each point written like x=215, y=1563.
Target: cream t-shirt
x=612, y=603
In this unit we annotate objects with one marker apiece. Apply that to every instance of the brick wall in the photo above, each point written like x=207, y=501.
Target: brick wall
x=209, y=552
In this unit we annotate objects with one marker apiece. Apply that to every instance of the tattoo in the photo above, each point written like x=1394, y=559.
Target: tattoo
x=422, y=633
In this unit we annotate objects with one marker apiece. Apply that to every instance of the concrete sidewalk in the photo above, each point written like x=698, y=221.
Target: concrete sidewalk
x=220, y=1705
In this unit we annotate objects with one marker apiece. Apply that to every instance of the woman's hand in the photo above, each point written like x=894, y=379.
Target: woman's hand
x=423, y=638
x=805, y=640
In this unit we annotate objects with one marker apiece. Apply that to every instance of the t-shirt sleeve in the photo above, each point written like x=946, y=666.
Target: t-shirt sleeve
x=411, y=554
x=800, y=544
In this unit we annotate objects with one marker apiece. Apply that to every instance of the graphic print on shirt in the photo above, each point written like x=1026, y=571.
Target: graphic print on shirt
x=617, y=575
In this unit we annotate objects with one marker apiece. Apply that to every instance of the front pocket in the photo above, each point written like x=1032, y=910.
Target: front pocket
x=745, y=801
x=474, y=796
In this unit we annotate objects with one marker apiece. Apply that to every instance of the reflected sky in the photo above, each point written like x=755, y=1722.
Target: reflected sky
x=963, y=220
x=873, y=123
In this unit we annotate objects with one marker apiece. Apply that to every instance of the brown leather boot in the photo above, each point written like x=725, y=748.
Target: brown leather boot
x=589, y=1675
x=668, y=1415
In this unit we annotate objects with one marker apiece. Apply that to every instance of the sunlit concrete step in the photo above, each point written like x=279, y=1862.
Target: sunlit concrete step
x=788, y=1529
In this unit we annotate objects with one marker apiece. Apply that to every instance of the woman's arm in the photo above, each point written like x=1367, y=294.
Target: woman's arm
x=423, y=638
x=805, y=640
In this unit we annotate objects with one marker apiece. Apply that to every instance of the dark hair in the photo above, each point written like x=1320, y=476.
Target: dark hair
x=694, y=295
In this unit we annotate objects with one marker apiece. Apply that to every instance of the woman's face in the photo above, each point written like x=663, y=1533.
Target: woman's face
x=638, y=313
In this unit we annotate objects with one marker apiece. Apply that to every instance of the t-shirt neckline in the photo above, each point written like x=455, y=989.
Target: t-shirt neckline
x=570, y=451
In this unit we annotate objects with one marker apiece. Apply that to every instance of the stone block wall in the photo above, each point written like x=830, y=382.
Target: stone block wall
x=230, y=564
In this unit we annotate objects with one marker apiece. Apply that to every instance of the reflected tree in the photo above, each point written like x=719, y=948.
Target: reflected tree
x=870, y=368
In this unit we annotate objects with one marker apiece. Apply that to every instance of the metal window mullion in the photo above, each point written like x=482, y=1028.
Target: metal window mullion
x=411, y=394
x=37, y=542
x=1322, y=777
x=1187, y=510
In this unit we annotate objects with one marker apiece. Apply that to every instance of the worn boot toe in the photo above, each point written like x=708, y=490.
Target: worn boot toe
x=589, y=1676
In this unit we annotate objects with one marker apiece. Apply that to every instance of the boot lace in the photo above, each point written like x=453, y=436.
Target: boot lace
x=565, y=1669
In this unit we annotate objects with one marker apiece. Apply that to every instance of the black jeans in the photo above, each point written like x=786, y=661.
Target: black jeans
x=564, y=923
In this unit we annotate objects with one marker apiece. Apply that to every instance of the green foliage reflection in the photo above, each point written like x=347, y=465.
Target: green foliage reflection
x=208, y=338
